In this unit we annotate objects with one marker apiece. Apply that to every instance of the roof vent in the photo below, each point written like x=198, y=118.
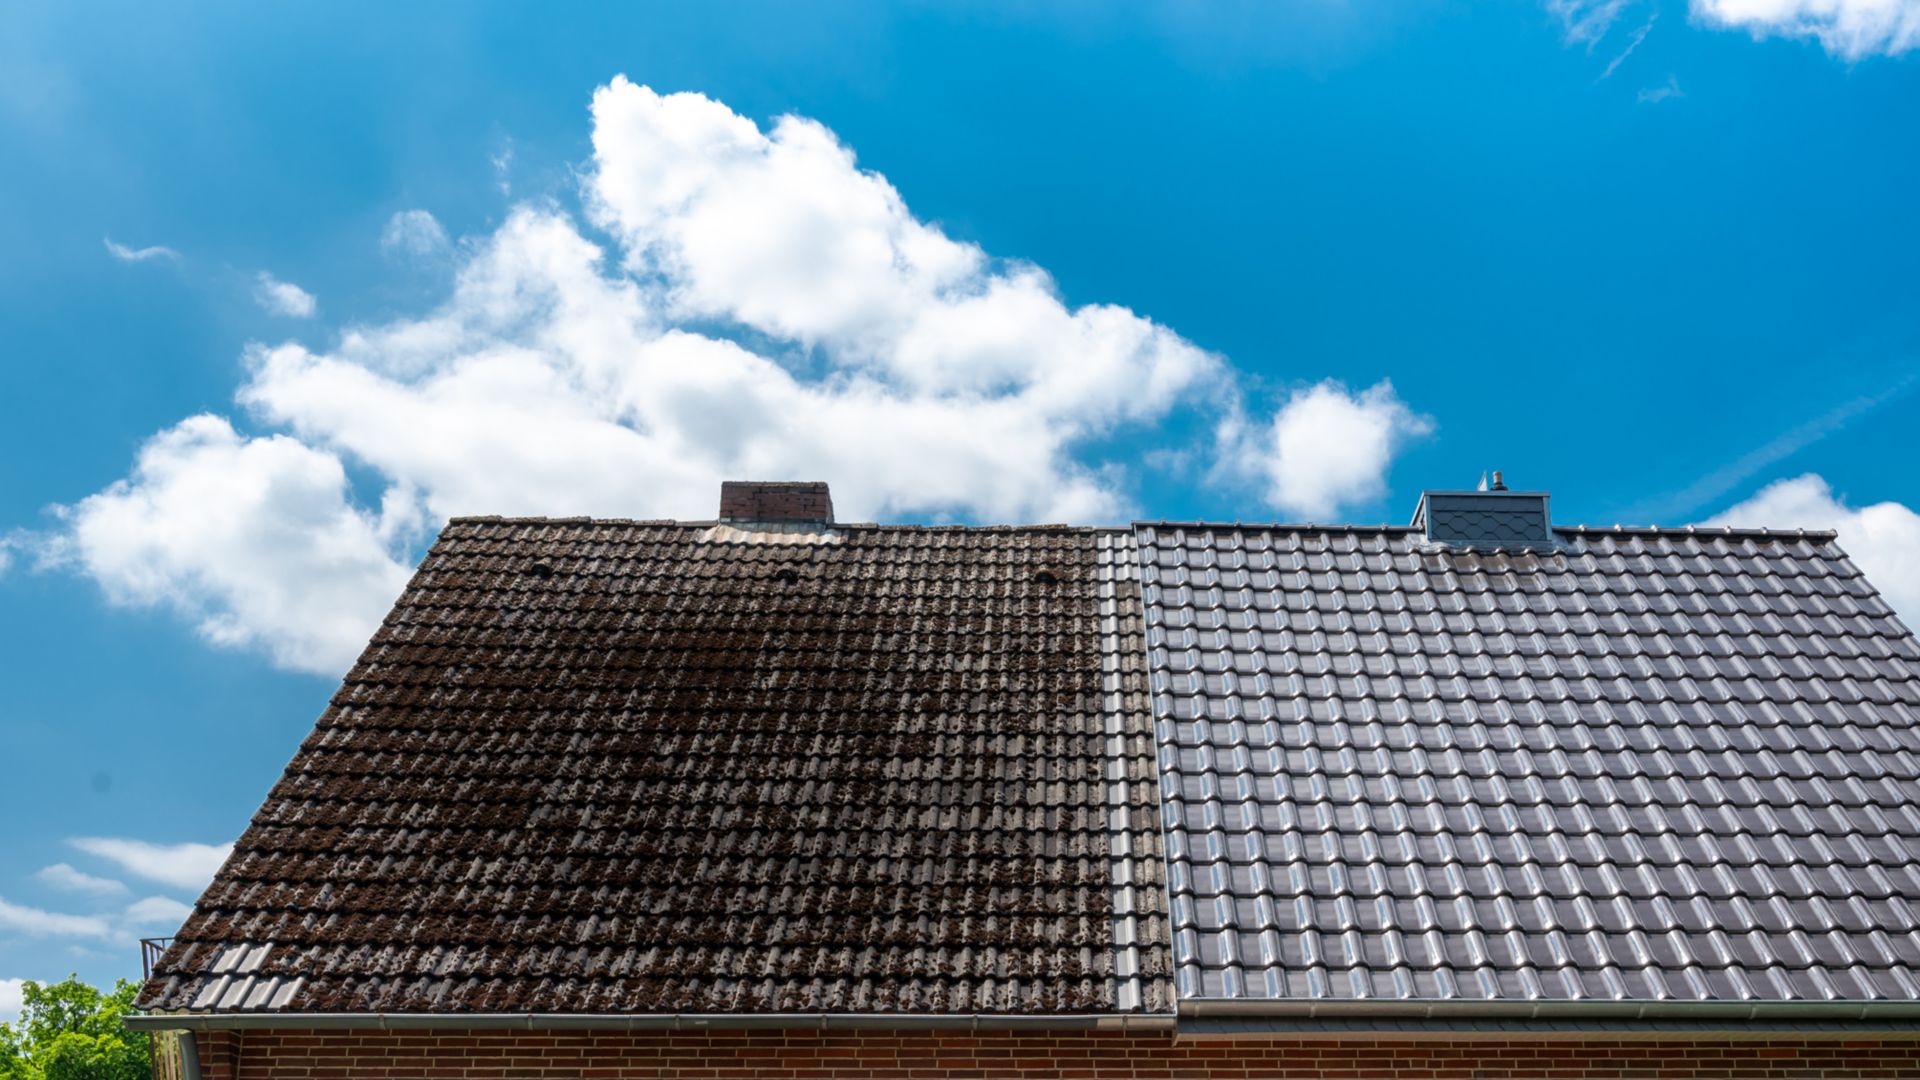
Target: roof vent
x=1492, y=517
x=755, y=500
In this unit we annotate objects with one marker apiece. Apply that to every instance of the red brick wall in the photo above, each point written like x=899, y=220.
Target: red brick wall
x=497, y=1055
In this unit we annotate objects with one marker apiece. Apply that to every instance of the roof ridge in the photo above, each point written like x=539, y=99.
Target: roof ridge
x=1698, y=530
x=1279, y=526
x=1612, y=530
x=1818, y=535
x=707, y=523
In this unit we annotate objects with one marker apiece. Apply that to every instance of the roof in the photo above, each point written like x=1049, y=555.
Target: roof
x=1646, y=766
x=621, y=767
x=627, y=771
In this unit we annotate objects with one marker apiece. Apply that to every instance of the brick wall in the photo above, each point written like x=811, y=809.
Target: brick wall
x=498, y=1055
x=747, y=500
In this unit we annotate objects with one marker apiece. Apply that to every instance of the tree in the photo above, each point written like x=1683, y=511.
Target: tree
x=71, y=1031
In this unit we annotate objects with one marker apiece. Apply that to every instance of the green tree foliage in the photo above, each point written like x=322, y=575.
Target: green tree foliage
x=70, y=1031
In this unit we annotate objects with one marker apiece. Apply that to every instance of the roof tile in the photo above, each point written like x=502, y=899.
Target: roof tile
x=591, y=766
x=1645, y=765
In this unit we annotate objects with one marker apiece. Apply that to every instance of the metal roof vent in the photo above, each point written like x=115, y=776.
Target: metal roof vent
x=1491, y=517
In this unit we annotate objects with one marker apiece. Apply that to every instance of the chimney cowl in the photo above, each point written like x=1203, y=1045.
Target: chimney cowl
x=788, y=501
x=1490, y=518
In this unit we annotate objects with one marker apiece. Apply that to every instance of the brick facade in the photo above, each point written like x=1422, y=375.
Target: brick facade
x=497, y=1055
x=750, y=500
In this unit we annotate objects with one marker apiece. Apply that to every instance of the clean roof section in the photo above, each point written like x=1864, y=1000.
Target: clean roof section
x=1643, y=766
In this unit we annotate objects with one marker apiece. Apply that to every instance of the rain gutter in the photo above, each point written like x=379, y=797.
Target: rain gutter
x=1554, y=1010
x=1163, y=1022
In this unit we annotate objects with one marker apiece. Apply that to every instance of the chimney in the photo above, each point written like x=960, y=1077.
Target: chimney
x=1492, y=517
x=756, y=500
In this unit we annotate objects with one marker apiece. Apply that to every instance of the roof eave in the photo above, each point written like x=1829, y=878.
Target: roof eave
x=203, y=1021
x=1555, y=1010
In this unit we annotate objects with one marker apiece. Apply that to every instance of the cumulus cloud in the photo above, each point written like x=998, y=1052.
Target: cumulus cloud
x=1326, y=447
x=12, y=999
x=1849, y=29
x=283, y=297
x=131, y=254
x=1882, y=539
x=741, y=302
x=413, y=232
x=253, y=539
x=62, y=876
x=186, y=866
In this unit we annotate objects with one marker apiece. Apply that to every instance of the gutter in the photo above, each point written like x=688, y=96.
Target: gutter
x=1161, y=1022
x=1191, y=1009
x=1552, y=1010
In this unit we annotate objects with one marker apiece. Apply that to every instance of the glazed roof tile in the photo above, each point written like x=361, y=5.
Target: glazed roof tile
x=1646, y=766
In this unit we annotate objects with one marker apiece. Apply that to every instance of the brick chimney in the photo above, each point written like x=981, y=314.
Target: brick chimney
x=756, y=500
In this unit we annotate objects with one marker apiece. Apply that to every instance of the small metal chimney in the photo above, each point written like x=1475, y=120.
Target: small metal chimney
x=1492, y=517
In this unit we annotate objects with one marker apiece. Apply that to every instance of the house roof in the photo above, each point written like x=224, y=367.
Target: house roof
x=621, y=769
x=625, y=767
x=1646, y=766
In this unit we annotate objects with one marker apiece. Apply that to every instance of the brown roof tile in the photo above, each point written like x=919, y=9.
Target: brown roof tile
x=629, y=767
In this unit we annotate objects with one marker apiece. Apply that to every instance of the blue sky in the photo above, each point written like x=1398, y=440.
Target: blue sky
x=282, y=289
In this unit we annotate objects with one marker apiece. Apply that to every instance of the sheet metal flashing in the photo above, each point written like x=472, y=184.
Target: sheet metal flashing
x=648, y=1021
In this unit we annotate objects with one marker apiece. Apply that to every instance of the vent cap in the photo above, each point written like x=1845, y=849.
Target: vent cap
x=1495, y=518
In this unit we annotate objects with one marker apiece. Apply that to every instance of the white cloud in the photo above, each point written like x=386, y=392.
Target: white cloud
x=156, y=911
x=38, y=923
x=62, y=876
x=1326, y=448
x=283, y=297
x=413, y=232
x=915, y=372
x=1850, y=29
x=1654, y=95
x=781, y=232
x=1882, y=539
x=12, y=999
x=129, y=254
x=1586, y=22
x=254, y=539
x=502, y=163
x=766, y=309
x=1633, y=42
x=186, y=866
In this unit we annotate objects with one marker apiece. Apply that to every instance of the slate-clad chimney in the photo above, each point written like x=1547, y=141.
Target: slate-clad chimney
x=1492, y=517
x=754, y=500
